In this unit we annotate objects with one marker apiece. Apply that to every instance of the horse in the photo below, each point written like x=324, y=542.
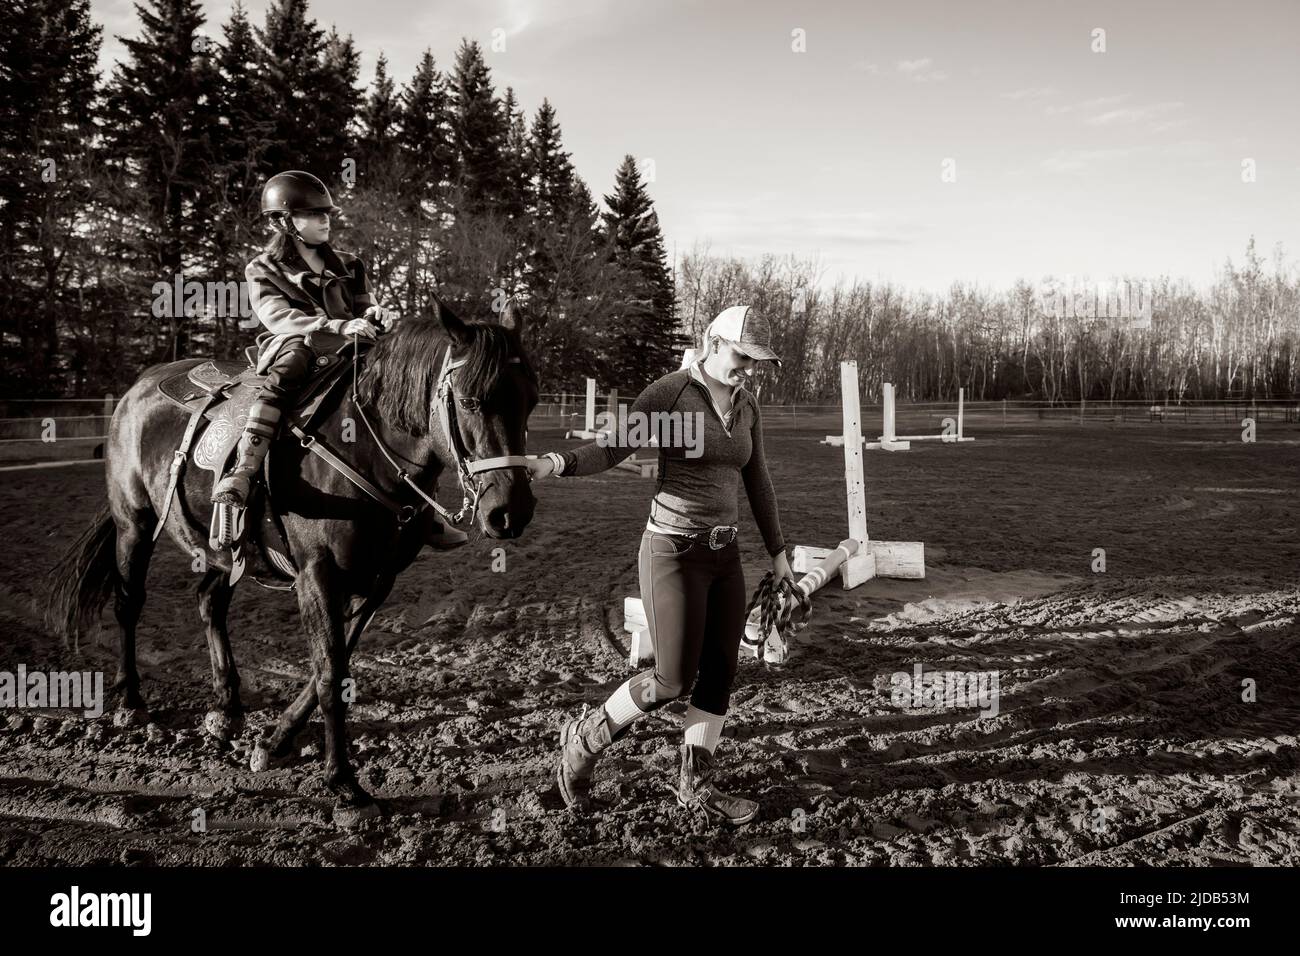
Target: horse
x=348, y=541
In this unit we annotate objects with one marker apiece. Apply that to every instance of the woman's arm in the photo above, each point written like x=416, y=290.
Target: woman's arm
x=759, y=490
x=593, y=458
x=276, y=312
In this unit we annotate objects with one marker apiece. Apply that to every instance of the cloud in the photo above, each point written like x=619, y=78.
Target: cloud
x=747, y=225
x=1097, y=103
x=918, y=71
x=1132, y=114
x=1081, y=160
x=1031, y=93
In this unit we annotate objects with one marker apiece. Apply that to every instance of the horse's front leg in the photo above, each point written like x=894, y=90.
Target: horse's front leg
x=280, y=743
x=322, y=617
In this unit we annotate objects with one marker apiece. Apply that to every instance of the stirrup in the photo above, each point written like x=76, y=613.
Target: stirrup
x=227, y=526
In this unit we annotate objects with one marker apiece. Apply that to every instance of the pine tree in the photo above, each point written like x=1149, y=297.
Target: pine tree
x=649, y=342
x=48, y=55
x=161, y=116
x=552, y=178
x=516, y=160
x=479, y=132
x=426, y=132
x=379, y=117
x=289, y=62
x=339, y=108
x=247, y=127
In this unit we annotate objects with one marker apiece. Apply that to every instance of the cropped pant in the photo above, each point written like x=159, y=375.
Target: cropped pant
x=694, y=600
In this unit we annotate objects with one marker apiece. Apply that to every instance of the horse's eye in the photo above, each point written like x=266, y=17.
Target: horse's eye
x=470, y=404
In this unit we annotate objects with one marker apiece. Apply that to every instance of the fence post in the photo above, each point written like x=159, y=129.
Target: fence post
x=1004, y=413
x=1082, y=402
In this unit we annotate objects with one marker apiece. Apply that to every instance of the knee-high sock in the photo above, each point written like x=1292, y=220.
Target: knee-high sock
x=621, y=708
x=702, y=728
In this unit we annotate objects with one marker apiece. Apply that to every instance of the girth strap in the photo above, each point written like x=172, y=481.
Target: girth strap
x=181, y=454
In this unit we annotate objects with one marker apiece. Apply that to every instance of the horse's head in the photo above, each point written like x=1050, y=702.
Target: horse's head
x=493, y=391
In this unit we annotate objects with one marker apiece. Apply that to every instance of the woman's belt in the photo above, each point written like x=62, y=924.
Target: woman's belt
x=716, y=538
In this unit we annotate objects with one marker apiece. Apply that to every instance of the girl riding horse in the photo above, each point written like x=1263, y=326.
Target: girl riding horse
x=298, y=285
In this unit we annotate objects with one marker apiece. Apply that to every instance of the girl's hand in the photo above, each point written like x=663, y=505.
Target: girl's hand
x=363, y=328
x=781, y=569
x=385, y=317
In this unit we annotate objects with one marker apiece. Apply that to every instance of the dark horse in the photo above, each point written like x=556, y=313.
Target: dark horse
x=347, y=546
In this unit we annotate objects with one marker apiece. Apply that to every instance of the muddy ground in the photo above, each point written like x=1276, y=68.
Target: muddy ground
x=1122, y=736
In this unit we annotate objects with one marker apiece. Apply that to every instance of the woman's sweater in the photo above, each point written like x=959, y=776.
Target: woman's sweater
x=701, y=460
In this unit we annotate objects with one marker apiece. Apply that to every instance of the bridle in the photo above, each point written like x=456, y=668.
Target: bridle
x=467, y=469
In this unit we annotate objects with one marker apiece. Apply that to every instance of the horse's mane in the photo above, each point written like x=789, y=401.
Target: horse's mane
x=401, y=370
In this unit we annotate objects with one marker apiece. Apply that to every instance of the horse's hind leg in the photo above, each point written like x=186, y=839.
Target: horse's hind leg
x=134, y=550
x=227, y=715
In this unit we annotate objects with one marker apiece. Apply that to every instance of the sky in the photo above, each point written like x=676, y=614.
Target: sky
x=922, y=142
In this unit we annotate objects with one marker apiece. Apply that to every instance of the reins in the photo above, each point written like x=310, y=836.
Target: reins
x=467, y=469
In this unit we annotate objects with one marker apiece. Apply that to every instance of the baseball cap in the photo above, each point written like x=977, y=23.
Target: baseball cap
x=746, y=327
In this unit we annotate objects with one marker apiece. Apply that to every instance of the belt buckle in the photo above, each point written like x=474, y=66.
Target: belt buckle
x=713, y=536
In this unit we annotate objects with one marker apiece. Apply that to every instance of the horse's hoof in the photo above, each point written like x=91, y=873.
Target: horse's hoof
x=349, y=815
x=221, y=725
x=130, y=717
x=260, y=759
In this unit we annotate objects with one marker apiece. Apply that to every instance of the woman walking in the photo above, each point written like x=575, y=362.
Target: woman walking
x=692, y=584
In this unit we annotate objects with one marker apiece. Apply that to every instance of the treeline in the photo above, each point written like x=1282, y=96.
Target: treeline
x=1237, y=338
x=113, y=185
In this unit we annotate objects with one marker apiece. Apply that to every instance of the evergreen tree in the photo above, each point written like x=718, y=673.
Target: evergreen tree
x=516, y=161
x=340, y=102
x=479, y=131
x=379, y=117
x=246, y=127
x=647, y=326
x=161, y=114
x=426, y=131
x=48, y=55
x=289, y=62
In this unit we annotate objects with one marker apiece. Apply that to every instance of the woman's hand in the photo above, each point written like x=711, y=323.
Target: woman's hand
x=781, y=569
x=362, y=328
x=540, y=467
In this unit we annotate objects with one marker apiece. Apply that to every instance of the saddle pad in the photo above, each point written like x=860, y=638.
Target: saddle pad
x=215, y=372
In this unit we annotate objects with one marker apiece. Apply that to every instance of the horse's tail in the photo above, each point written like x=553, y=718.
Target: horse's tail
x=84, y=579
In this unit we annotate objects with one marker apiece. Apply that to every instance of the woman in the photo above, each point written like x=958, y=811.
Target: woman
x=299, y=285
x=691, y=580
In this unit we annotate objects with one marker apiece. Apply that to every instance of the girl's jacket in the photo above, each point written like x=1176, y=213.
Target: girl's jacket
x=291, y=300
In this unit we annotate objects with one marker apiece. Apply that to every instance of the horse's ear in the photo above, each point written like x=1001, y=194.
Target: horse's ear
x=451, y=322
x=512, y=316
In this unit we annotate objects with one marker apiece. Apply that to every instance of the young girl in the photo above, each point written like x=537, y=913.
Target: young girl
x=299, y=284
x=692, y=584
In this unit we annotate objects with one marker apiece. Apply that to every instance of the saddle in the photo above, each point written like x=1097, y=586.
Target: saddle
x=218, y=395
x=226, y=390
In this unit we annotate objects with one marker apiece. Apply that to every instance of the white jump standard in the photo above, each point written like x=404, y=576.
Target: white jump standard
x=891, y=441
x=588, y=431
